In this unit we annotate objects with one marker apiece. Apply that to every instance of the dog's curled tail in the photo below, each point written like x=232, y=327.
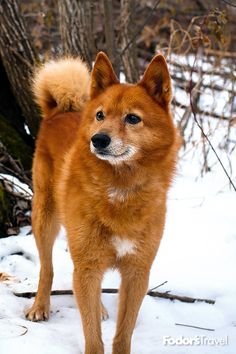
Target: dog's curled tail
x=61, y=85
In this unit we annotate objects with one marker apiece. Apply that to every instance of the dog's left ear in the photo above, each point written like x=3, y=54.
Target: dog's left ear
x=102, y=75
x=156, y=80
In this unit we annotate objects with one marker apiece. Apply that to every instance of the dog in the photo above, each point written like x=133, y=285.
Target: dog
x=105, y=157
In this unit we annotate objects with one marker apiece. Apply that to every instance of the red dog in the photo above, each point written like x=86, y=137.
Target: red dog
x=106, y=153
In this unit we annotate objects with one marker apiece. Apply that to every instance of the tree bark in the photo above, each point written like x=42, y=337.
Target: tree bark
x=76, y=28
x=18, y=58
x=128, y=45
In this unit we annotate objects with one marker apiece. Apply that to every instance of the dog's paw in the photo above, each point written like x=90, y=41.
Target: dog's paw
x=37, y=313
x=104, y=313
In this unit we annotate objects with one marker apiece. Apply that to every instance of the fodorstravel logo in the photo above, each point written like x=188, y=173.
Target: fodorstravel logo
x=196, y=340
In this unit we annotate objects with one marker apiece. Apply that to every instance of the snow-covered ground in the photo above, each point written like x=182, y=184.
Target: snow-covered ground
x=197, y=257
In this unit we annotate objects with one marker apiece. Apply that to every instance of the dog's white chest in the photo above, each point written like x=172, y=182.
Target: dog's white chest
x=123, y=246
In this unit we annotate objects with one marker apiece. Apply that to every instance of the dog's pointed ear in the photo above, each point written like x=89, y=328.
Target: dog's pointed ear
x=156, y=80
x=102, y=75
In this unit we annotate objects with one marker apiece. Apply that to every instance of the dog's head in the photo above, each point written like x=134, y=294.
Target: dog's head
x=125, y=123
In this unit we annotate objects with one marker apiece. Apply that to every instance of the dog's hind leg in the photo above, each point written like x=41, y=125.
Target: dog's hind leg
x=45, y=227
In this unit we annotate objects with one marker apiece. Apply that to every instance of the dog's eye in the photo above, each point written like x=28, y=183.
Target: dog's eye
x=100, y=115
x=132, y=119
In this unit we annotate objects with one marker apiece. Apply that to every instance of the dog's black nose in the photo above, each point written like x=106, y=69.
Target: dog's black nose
x=100, y=141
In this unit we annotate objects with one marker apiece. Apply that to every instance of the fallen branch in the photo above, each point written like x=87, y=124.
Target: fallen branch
x=163, y=295
x=172, y=297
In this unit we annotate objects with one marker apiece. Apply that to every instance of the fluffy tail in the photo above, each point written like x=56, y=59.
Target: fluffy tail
x=61, y=85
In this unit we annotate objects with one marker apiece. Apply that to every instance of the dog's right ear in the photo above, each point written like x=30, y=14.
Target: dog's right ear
x=102, y=75
x=156, y=80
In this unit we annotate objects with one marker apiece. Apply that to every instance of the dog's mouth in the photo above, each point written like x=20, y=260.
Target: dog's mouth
x=114, y=157
x=108, y=153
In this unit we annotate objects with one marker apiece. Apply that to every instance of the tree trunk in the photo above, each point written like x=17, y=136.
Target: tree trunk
x=110, y=35
x=14, y=124
x=18, y=58
x=76, y=19
x=128, y=44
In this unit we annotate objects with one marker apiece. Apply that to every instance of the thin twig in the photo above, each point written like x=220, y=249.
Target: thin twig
x=158, y=286
x=23, y=333
x=185, y=325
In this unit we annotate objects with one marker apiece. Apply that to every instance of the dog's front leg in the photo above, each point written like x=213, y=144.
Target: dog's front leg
x=87, y=288
x=133, y=289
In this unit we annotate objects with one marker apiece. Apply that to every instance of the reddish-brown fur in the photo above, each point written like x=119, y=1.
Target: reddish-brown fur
x=102, y=203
